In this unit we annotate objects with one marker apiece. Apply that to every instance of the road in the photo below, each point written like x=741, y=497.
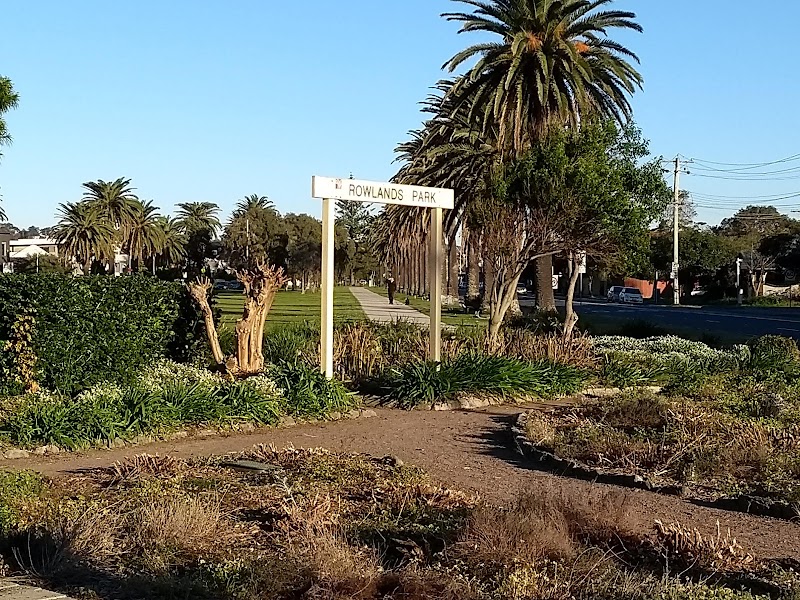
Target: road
x=725, y=322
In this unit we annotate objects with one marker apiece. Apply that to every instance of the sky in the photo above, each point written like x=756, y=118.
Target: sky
x=206, y=100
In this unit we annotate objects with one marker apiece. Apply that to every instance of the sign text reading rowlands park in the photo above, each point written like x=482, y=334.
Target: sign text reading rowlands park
x=382, y=193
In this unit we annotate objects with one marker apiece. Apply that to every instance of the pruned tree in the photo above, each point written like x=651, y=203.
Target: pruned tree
x=260, y=286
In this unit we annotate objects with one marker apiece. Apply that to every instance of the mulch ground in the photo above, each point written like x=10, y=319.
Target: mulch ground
x=467, y=450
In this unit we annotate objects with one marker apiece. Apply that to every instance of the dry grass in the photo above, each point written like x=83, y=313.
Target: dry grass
x=323, y=526
x=186, y=524
x=540, y=429
x=142, y=465
x=692, y=550
x=545, y=524
x=363, y=350
x=676, y=440
x=527, y=345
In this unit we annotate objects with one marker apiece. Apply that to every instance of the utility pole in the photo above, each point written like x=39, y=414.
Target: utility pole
x=675, y=258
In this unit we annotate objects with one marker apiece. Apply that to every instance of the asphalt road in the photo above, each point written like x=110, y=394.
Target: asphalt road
x=725, y=322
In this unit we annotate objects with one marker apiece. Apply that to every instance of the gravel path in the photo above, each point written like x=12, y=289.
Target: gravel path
x=467, y=450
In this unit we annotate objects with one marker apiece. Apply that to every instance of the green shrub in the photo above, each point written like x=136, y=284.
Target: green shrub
x=308, y=393
x=541, y=322
x=618, y=370
x=16, y=486
x=94, y=329
x=425, y=382
x=292, y=343
x=165, y=397
x=774, y=353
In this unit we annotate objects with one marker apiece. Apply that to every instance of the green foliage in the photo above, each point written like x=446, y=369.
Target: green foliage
x=94, y=329
x=774, y=353
x=291, y=343
x=308, y=393
x=44, y=263
x=16, y=486
x=164, y=397
x=620, y=371
x=631, y=362
x=424, y=382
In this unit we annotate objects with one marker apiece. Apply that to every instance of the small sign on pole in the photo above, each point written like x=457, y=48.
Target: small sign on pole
x=580, y=258
x=330, y=189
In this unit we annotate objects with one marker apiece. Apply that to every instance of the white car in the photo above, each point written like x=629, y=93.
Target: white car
x=630, y=295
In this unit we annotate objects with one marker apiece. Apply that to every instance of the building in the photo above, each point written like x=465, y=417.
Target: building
x=27, y=247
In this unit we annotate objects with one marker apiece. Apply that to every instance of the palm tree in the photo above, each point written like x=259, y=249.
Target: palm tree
x=143, y=234
x=193, y=217
x=173, y=241
x=251, y=202
x=8, y=100
x=84, y=233
x=114, y=199
x=551, y=64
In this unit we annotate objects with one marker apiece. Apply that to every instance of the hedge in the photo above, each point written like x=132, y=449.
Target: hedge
x=92, y=329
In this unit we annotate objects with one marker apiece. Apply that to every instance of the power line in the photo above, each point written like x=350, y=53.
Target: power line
x=726, y=197
x=750, y=165
x=748, y=173
x=745, y=178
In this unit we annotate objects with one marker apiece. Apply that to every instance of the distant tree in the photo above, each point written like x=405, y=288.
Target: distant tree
x=686, y=212
x=42, y=263
x=198, y=216
x=199, y=222
x=253, y=201
x=83, y=232
x=10, y=228
x=115, y=200
x=8, y=100
x=255, y=234
x=755, y=223
x=144, y=236
x=304, y=237
x=173, y=242
x=702, y=251
x=358, y=258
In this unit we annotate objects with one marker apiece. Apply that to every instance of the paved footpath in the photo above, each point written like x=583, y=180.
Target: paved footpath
x=13, y=591
x=378, y=309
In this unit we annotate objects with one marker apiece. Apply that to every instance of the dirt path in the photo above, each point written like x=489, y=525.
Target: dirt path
x=468, y=450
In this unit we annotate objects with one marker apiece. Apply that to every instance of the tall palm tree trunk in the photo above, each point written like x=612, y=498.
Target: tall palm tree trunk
x=474, y=266
x=545, y=299
x=453, y=269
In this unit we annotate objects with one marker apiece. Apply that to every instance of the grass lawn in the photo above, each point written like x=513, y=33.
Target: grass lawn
x=292, y=307
x=456, y=316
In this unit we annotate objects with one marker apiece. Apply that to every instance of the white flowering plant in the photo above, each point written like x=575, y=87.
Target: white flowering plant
x=670, y=354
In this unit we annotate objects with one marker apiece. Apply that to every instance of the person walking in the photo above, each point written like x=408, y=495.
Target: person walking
x=391, y=287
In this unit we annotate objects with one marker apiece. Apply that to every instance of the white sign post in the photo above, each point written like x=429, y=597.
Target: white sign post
x=330, y=189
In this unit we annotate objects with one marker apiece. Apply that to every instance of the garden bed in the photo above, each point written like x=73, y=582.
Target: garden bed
x=168, y=399
x=311, y=524
x=733, y=445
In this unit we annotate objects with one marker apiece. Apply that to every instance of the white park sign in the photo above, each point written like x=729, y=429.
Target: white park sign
x=355, y=190
x=331, y=189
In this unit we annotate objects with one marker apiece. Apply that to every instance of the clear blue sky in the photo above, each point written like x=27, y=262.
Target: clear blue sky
x=211, y=100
